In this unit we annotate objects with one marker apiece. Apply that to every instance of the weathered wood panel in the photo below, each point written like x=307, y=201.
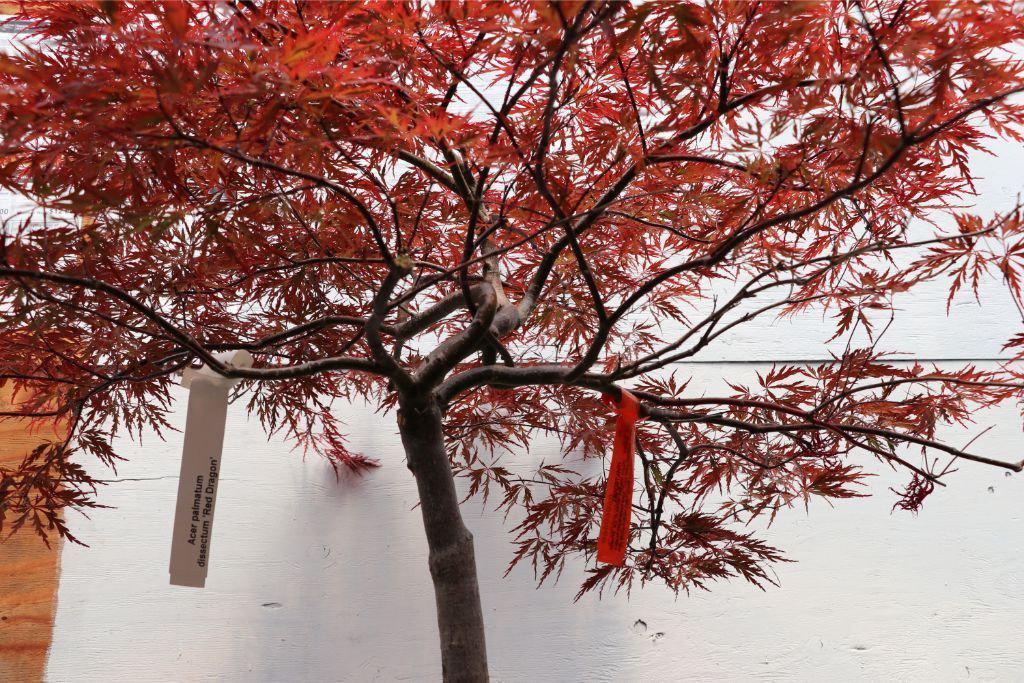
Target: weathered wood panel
x=29, y=570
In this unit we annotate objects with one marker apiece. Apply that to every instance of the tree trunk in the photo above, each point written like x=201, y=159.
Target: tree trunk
x=460, y=617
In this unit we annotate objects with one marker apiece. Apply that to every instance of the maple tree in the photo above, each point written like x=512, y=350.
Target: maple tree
x=488, y=216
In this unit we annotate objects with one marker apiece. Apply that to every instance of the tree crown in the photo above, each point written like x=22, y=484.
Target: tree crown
x=509, y=209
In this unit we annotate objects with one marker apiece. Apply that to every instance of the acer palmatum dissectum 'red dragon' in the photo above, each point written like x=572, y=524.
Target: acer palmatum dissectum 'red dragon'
x=487, y=215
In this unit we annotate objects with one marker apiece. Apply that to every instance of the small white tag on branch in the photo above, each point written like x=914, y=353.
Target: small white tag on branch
x=200, y=468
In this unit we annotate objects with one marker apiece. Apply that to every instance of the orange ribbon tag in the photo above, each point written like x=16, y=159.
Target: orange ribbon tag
x=618, y=494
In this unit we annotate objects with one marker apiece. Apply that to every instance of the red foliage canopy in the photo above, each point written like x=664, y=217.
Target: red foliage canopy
x=508, y=208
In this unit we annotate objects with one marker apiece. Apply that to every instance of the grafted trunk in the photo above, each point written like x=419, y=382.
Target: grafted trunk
x=452, y=562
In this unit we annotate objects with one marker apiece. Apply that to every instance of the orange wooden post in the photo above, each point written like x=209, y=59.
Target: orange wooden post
x=29, y=571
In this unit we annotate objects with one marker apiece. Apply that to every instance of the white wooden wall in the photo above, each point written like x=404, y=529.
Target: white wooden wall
x=317, y=580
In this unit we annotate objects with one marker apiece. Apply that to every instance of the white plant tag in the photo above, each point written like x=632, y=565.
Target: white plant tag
x=200, y=469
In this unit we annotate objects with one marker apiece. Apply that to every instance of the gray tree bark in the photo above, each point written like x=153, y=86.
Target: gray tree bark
x=452, y=561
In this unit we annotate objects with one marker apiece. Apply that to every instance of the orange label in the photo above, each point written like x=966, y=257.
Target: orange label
x=618, y=494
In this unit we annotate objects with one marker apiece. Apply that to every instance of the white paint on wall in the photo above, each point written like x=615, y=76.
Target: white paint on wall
x=314, y=579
